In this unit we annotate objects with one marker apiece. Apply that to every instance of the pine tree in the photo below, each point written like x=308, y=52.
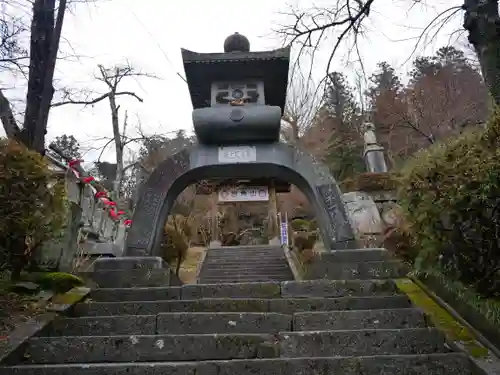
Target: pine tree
x=345, y=151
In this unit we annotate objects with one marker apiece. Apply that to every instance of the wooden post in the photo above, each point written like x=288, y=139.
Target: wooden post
x=273, y=209
x=215, y=211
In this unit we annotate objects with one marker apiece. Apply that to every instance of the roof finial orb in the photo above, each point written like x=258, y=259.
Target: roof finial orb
x=236, y=43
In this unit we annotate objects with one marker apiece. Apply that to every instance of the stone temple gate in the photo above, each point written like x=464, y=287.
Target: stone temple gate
x=238, y=98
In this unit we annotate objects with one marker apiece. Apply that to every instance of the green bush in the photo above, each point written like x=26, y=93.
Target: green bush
x=32, y=205
x=451, y=195
x=299, y=224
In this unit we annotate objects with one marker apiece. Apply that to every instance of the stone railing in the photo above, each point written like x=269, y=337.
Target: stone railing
x=89, y=232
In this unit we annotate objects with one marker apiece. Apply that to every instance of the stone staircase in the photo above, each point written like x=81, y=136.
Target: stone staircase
x=360, y=326
x=244, y=264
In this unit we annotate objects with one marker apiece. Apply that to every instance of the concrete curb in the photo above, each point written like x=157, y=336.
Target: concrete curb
x=293, y=263
x=58, y=304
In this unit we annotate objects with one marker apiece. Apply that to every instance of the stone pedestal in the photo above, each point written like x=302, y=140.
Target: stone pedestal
x=375, y=159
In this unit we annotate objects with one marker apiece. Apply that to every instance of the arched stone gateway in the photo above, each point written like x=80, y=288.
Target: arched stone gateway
x=275, y=160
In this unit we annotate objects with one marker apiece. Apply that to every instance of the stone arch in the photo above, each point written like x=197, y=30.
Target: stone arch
x=200, y=162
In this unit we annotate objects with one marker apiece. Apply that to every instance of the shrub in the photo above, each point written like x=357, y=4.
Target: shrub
x=177, y=239
x=299, y=224
x=304, y=241
x=451, y=195
x=32, y=205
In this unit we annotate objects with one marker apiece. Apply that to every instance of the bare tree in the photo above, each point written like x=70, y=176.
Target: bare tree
x=301, y=108
x=112, y=78
x=345, y=19
x=46, y=26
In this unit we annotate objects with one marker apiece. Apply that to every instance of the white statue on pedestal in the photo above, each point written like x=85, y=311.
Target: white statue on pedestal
x=369, y=134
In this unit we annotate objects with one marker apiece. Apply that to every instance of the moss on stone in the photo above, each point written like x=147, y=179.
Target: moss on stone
x=73, y=296
x=443, y=320
x=489, y=308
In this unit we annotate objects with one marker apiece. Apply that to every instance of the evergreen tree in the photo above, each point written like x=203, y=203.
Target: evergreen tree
x=345, y=150
x=68, y=145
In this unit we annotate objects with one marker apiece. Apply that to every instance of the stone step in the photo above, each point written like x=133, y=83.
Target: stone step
x=360, y=270
x=338, y=288
x=135, y=294
x=256, y=279
x=432, y=364
x=235, y=279
x=92, y=349
x=171, y=323
x=129, y=279
x=243, y=267
x=245, y=263
x=286, y=306
x=359, y=319
x=139, y=348
x=102, y=326
x=220, y=271
x=356, y=255
x=250, y=248
x=315, y=288
x=362, y=342
x=257, y=259
x=224, y=322
x=249, y=274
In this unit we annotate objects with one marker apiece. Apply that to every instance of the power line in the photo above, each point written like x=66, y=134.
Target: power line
x=159, y=46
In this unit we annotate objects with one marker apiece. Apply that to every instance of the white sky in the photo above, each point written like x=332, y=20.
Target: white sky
x=146, y=31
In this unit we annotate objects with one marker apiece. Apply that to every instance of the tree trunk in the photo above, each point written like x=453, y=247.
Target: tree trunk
x=482, y=21
x=7, y=117
x=118, y=145
x=42, y=30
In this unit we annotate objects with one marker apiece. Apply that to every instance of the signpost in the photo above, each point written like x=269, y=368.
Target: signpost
x=237, y=154
x=244, y=194
x=284, y=230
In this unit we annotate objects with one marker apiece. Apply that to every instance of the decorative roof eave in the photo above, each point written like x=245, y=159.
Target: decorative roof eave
x=196, y=57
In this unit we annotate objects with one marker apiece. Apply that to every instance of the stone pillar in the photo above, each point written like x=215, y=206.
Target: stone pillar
x=374, y=154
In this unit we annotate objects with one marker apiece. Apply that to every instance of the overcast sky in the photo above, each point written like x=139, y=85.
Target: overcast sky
x=150, y=33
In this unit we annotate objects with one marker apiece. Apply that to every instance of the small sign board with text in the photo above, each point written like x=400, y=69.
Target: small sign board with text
x=244, y=194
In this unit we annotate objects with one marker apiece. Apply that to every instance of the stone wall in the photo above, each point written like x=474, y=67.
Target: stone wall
x=370, y=213
x=89, y=232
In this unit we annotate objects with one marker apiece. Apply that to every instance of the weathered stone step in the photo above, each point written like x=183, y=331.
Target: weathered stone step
x=129, y=279
x=257, y=259
x=220, y=271
x=359, y=319
x=286, y=306
x=234, y=279
x=362, y=342
x=171, y=323
x=249, y=274
x=356, y=255
x=135, y=294
x=243, y=267
x=238, y=263
x=138, y=348
x=244, y=290
x=432, y=364
x=360, y=270
x=249, y=248
x=246, y=280
x=338, y=288
x=315, y=288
